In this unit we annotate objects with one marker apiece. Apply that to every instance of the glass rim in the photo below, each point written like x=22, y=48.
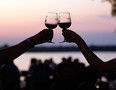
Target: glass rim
x=53, y=12
x=64, y=12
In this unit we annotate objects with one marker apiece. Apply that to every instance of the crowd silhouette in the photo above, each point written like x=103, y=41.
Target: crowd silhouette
x=69, y=74
x=10, y=77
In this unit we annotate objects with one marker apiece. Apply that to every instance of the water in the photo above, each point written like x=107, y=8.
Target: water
x=23, y=61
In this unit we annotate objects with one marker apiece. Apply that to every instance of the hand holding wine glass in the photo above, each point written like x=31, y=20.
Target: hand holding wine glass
x=64, y=21
x=51, y=21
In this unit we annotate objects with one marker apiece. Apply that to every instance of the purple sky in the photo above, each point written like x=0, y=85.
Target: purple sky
x=21, y=19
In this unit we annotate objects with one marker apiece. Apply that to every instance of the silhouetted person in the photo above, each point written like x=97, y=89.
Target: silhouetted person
x=93, y=60
x=11, y=53
x=110, y=83
x=52, y=64
x=33, y=74
x=68, y=75
x=62, y=73
x=10, y=77
x=78, y=72
x=90, y=79
x=46, y=75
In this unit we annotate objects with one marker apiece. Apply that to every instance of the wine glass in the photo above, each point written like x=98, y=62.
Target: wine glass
x=51, y=21
x=64, y=21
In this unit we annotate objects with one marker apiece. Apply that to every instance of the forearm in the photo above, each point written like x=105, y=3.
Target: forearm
x=88, y=54
x=13, y=52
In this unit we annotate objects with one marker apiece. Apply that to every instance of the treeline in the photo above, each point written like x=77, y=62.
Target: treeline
x=71, y=48
x=67, y=48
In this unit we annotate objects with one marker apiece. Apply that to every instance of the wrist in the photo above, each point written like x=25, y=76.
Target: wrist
x=29, y=42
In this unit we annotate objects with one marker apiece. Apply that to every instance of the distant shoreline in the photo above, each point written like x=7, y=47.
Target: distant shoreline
x=71, y=49
x=68, y=48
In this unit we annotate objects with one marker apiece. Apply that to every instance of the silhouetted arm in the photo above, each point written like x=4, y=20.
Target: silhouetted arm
x=92, y=59
x=13, y=52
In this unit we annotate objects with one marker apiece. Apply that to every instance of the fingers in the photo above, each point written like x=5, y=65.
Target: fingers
x=66, y=33
x=70, y=36
x=48, y=31
x=47, y=34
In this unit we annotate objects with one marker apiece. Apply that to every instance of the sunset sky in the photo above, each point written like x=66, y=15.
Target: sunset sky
x=92, y=19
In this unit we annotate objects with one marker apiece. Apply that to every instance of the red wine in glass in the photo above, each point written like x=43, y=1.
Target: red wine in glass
x=50, y=26
x=65, y=25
